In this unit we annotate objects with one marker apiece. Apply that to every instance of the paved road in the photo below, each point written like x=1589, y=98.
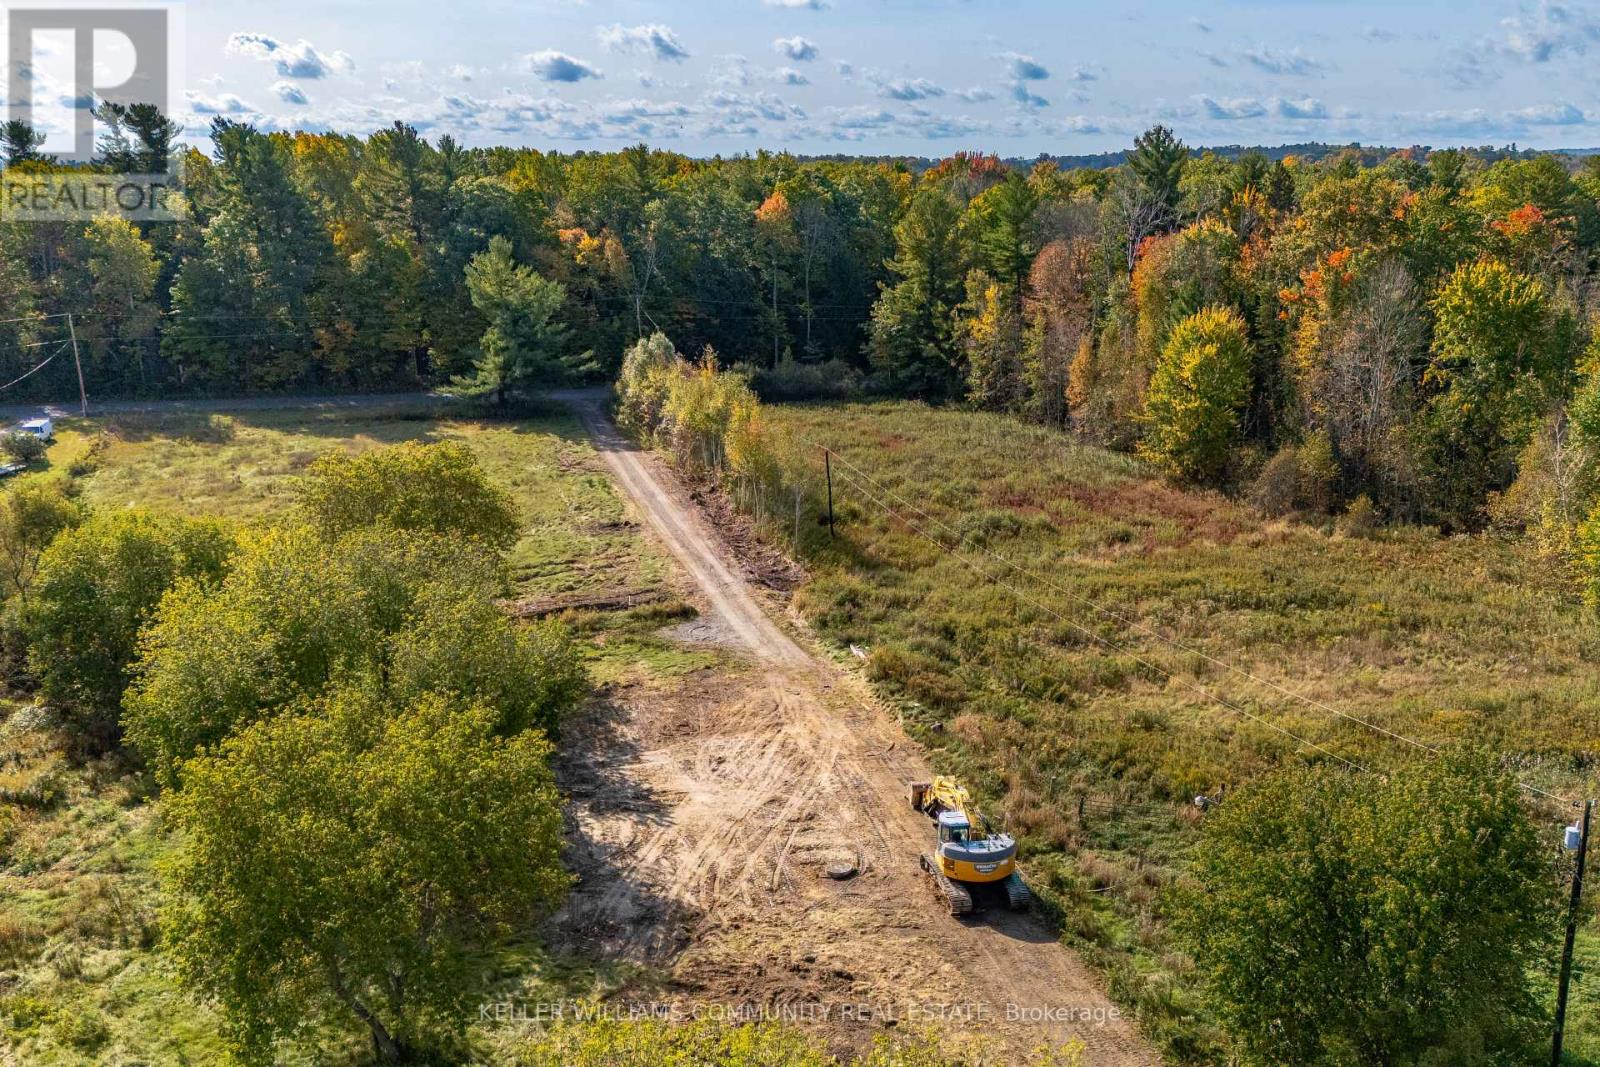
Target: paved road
x=69, y=408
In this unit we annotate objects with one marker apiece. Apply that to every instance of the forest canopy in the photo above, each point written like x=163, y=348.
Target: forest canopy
x=1407, y=330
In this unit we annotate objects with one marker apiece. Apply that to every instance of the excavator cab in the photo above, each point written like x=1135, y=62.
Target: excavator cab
x=953, y=826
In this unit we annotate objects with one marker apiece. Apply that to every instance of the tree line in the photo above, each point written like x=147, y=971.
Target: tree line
x=1411, y=337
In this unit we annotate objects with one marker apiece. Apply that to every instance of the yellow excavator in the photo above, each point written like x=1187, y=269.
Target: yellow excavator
x=969, y=852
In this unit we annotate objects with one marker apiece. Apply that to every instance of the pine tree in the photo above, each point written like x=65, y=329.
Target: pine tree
x=523, y=348
x=1158, y=159
x=912, y=336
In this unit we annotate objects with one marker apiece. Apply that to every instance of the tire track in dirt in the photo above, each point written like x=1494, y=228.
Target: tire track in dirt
x=740, y=788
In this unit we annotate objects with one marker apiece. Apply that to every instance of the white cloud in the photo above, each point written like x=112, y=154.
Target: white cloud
x=1230, y=109
x=629, y=111
x=1470, y=122
x=790, y=76
x=1277, y=61
x=298, y=60
x=856, y=124
x=552, y=66
x=910, y=89
x=652, y=39
x=1025, y=68
x=1551, y=30
x=1549, y=115
x=222, y=104
x=1305, y=108
x=747, y=107
x=860, y=118
x=977, y=94
x=812, y=5
x=734, y=73
x=1021, y=94
x=290, y=93
x=797, y=48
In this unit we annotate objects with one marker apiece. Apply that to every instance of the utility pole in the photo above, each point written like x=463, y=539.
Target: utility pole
x=1572, y=933
x=83, y=396
x=827, y=465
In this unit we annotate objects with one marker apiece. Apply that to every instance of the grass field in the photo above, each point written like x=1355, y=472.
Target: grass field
x=1071, y=686
x=1040, y=700
x=80, y=845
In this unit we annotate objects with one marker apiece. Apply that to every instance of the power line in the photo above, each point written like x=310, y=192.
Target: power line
x=1143, y=628
x=36, y=369
x=35, y=318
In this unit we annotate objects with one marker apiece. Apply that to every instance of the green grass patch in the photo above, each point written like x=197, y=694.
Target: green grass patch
x=579, y=536
x=1068, y=684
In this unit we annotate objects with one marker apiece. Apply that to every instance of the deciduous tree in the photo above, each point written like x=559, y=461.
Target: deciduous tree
x=97, y=584
x=341, y=864
x=1373, y=920
x=1200, y=385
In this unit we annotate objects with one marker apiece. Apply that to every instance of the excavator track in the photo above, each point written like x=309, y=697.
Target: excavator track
x=1018, y=896
x=956, y=896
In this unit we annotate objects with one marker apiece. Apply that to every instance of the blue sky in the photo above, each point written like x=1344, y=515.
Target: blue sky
x=904, y=76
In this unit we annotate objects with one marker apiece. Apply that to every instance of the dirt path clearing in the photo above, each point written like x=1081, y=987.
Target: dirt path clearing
x=707, y=817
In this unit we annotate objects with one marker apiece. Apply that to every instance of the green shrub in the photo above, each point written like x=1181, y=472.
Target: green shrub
x=86, y=464
x=96, y=586
x=21, y=446
x=465, y=645
x=1319, y=471
x=1360, y=519
x=1275, y=489
x=32, y=513
x=644, y=382
x=1333, y=911
x=295, y=615
x=431, y=488
x=82, y=1028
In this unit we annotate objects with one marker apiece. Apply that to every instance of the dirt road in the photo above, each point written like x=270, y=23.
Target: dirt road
x=706, y=816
